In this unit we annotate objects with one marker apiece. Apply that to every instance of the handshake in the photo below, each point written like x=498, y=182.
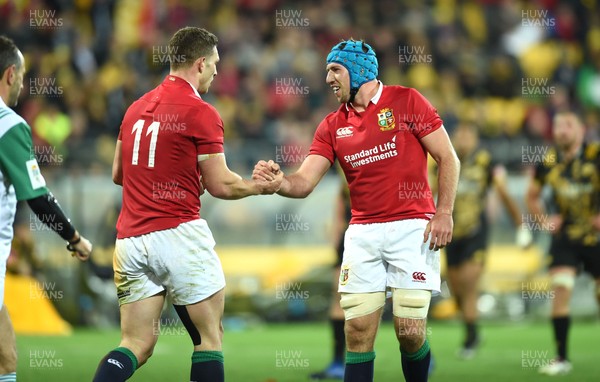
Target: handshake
x=267, y=176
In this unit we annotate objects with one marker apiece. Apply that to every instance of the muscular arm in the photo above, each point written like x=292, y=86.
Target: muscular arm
x=117, y=169
x=439, y=147
x=301, y=183
x=440, y=226
x=223, y=183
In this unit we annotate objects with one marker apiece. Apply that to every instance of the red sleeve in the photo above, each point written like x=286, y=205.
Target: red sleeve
x=323, y=142
x=208, y=134
x=426, y=118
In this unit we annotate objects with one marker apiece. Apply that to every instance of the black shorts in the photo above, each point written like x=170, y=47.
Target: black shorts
x=467, y=248
x=565, y=252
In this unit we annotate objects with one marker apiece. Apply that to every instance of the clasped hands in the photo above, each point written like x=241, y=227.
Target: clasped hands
x=268, y=176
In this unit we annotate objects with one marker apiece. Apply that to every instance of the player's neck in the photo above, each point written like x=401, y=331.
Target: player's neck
x=364, y=95
x=4, y=96
x=571, y=152
x=183, y=75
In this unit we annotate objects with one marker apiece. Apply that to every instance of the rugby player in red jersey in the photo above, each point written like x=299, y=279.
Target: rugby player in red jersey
x=170, y=139
x=381, y=136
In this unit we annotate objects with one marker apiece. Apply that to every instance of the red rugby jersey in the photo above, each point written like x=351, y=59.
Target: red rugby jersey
x=381, y=155
x=162, y=135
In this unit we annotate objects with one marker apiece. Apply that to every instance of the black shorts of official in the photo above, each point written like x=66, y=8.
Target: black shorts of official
x=467, y=248
x=565, y=252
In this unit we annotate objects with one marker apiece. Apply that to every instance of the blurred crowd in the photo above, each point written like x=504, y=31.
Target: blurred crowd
x=505, y=65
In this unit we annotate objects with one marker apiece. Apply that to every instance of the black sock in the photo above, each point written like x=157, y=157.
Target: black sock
x=415, y=366
x=359, y=367
x=207, y=366
x=561, y=331
x=339, y=339
x=471, y=331
x=117, y=366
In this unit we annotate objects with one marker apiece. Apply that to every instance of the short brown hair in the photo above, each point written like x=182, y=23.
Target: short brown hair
x=9, y=54
x=188, y=44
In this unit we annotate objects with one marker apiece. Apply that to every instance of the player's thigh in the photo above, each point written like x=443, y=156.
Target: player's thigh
x=8, y=349
x=203, y=321
x=411, y=264
x=186, y=263
x=363, y=269
x=140, y=324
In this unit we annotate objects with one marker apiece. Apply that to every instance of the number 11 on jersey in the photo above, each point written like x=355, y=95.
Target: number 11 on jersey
x=152, y=129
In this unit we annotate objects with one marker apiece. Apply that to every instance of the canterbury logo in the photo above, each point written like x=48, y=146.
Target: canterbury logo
x=116, y=363
x=344, y=132
x=419, y=276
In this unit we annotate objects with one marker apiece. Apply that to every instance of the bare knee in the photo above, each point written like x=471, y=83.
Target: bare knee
x=142, y=349
x=360, y=333
x=411, y=333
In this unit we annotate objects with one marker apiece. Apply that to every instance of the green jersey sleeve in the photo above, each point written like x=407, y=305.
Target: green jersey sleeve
x=17, y=159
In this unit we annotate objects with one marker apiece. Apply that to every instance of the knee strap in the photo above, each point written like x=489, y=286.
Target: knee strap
x=361, y=304
x=565, y=280
x=411, y=303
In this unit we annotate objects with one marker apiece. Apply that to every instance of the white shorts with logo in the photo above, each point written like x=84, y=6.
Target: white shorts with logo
x=388, y=255
x=180, y=260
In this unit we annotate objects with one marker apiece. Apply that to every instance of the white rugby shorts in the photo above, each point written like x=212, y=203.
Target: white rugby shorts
x=8, y=208
x=180, y=260
x=388, y=255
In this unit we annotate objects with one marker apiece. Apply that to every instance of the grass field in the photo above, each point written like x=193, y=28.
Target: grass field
x=288, y=352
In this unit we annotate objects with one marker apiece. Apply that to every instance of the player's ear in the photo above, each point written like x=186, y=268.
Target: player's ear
x=10, y=74
x=200, y=64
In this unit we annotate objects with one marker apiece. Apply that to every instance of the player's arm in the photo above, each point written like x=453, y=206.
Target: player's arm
x=499, y=183
x=533, y=199
x=535, y=206
x=117, y=169
x=439, y=147
x=223, y=183
x=301, y=183
x=22, y=170
x=523, y=236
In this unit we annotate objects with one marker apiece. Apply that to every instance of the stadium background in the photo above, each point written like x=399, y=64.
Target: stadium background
x=505, y=65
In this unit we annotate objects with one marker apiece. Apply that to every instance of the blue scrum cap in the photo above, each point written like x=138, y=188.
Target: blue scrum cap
x=359, y=58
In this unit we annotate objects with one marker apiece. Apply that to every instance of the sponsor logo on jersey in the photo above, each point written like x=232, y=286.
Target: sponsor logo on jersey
x=386, y=120
x=344, y=132
x=344, y=275
x=419, y=277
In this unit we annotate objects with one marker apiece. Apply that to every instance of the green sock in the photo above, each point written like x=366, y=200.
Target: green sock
x=355, y=357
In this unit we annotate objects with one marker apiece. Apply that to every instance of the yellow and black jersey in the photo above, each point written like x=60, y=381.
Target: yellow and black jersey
x=575, y=190
x=473, y=183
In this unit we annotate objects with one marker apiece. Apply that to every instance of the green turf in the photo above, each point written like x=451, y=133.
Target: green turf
x=279, y=353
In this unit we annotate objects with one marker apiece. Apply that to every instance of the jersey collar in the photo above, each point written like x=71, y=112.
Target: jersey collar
x=175, y=78
x=375, y=98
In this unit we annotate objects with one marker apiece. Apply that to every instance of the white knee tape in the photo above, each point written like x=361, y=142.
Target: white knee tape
x=361, y=304
x=411, y=303
x=565, y=280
